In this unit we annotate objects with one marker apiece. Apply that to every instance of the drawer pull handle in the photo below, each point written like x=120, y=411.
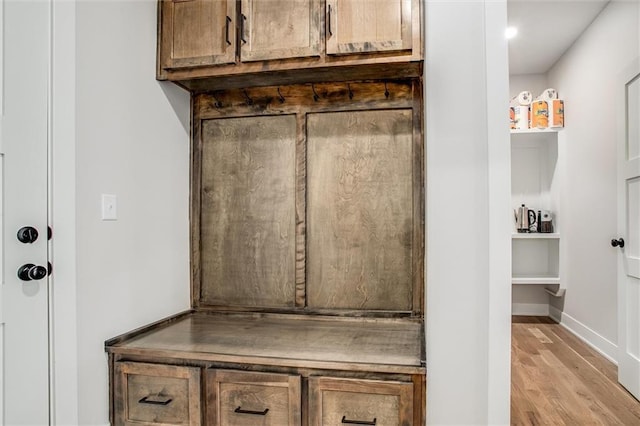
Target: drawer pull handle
x=226, y=31
x=242, y=20
x=146, y=400
x=239, y=410
x=358, y=422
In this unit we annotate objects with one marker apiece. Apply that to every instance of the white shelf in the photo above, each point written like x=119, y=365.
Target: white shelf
x=544, y=280
x=535, y=236
x=547, y=130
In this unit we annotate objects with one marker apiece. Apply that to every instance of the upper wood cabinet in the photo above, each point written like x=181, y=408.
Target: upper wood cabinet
x=225, y=44
x=279, y=29
x=364, y=26
x=195, y=33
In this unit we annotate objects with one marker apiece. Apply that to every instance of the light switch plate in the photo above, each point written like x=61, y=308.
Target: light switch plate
x=109, y=207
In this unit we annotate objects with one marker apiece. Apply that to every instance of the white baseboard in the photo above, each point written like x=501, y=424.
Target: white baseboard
x=605, y=347
x=534, y=309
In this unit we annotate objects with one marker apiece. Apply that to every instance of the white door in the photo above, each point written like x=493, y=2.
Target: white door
x=628, y=240
x=24, y=134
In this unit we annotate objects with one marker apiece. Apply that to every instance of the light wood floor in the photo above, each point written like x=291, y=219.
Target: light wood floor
x=558, y=380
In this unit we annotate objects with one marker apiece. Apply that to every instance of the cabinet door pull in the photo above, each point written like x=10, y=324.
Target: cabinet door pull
x=244, y=18
x=226, y=31
x=239, y=410
x=329, y=20
x=359, y=422
x=146, y=400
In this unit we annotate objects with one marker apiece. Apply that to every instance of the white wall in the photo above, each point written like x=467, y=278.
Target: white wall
x=132, y=141
x=468, y=219
x=585, y=77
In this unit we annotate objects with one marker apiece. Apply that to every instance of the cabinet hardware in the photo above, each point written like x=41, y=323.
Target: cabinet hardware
x=217, y=103
x=239, y=410
x=386, y=91
x=280, y=97
x=146, y=400
x=244, y=18
x=329, y=20
x=358, y=422
x=226, y=31
x=315, y=94
x=247, y=98
x=350, y=92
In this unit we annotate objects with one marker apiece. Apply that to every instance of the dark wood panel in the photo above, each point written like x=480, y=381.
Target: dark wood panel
x=247, y=213
x=305, y=98
x=261, y=78
x=360, y=210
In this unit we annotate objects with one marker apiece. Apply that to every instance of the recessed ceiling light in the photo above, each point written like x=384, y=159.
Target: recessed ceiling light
x=510, y=32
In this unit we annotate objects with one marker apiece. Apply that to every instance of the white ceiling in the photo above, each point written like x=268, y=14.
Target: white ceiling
x=546, y=29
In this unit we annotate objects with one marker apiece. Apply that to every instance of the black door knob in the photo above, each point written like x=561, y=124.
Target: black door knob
x=27, y=234
x=31, y=272
x=618, y=243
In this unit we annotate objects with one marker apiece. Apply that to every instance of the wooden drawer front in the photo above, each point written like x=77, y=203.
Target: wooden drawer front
x=236, y=398
x=363, y=402
x=157, y=394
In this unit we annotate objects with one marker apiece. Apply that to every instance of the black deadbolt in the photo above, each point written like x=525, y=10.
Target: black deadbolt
x=27, y=234
x=29, y=272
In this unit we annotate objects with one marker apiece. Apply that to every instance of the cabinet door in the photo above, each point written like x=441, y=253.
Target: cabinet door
x=197, y=33
x=279, y=29
x=361, y=26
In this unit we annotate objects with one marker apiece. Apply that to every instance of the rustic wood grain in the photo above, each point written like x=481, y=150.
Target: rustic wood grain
x=248, y=211
x=278, y=396
x=293, y=64
x=301, y=205
x=385, y=345
x=369, y=26
x=280, y=29
x=419, y=206
x=174, y=393
x=382, y=403
x=314, y=73
x=557, y=379
x=195, y=203
x=359, y=210
x=300, y=99
x=194, y=33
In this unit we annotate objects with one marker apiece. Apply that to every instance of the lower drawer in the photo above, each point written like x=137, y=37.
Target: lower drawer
x=154, y=394
x=334, y=401
x=238, y=398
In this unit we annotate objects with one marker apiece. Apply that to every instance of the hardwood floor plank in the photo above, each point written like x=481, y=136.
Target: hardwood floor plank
x=559, y=380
